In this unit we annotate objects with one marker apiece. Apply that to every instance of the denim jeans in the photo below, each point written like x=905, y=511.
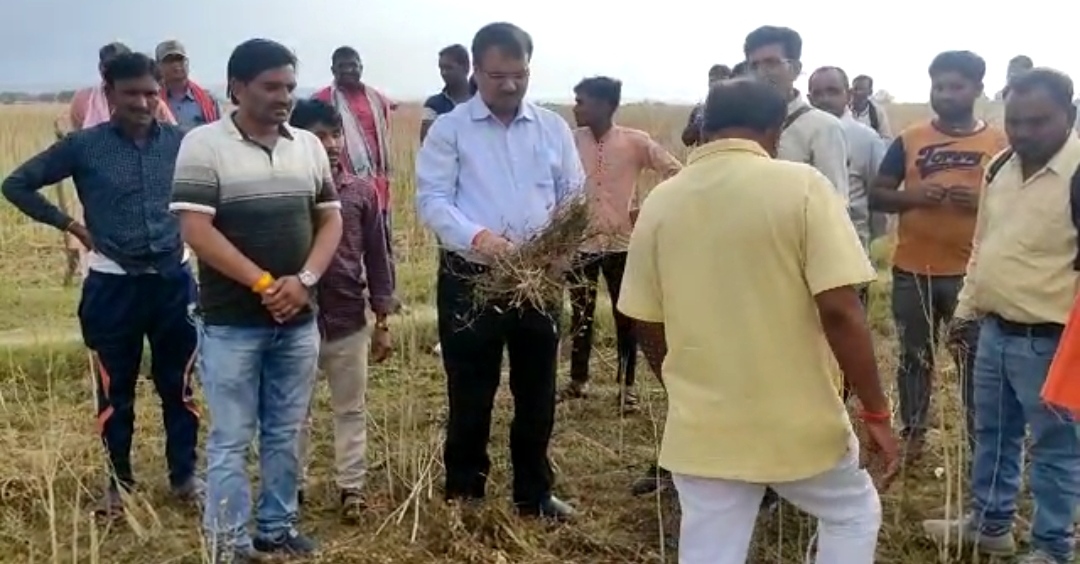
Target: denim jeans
x=256, y=379
x=1010, y=370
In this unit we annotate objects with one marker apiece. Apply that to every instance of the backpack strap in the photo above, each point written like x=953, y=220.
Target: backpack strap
x=794, y=116
x=875, y=119
x=995, y=165
x=1074, y=207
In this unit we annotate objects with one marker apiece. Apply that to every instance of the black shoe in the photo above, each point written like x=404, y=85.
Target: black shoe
x=653, y=479
x=551, y=508
x=291, y=543
x=771, y=502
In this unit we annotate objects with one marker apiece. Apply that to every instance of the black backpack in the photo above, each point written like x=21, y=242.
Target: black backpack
x=996, y=165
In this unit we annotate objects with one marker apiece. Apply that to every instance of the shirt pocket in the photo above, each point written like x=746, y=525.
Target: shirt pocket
x=547, y=164
x=1044, y=225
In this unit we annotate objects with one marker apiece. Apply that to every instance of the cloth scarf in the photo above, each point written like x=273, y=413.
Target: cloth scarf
x=359, y=152
x=97, y=108
x=205, y=102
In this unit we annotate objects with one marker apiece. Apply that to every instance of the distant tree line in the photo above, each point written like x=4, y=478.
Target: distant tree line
x=62, y=97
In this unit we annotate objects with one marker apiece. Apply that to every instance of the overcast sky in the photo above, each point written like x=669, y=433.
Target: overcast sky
x=660, y=50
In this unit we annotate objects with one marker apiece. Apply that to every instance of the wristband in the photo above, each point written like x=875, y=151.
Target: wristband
x=263, y=283
x=875, y=417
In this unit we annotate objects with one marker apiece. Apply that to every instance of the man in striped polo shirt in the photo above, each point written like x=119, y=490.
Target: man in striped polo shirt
x=257, y=204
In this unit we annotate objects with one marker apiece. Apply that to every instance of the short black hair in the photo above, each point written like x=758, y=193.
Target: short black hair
x=720, y=70
x=603, y=88
x=739, y=69
x=126, y=66
x=744, y=103
x=786, y=37
x=838, y=70
x=1022, y=61
x=1057, y=84
x=344, y=52
x=965, y=63
x=508, y=38
x=457, y=53
x=111, y=50
x=865, y=78
x=254, y=57
x=309, y=113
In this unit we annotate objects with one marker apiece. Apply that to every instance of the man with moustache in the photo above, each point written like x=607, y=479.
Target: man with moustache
x=457, y=88
x=941, y=162
x=191, y=104
x=1019, y=287
x=830, y=91
x=864, y=109
x=482, y=198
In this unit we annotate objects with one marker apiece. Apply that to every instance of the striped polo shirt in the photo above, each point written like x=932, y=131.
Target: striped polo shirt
x=263, y=200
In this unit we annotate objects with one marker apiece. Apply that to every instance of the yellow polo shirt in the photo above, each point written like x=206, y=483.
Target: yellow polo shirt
x=729, y=255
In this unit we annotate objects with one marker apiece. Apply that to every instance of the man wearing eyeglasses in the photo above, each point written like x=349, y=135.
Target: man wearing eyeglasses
x=810, y=135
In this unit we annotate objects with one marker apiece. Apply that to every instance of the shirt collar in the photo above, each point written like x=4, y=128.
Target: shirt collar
x=798, y=102
x=230, y=124
x=155, y=128
x=1059, y=163
x=722, y=146
x=479, y=111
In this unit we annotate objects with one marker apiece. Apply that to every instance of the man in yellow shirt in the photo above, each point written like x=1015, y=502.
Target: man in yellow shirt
x=776, y=260
x=1020, y=284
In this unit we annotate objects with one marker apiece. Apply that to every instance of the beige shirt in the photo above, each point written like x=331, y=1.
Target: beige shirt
x=612, y=166
x=740, y=407
x=1022, y=267
x=817, y=138
x=863, y=117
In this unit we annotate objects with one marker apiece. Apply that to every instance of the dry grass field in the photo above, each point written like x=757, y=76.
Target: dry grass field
x=51, y=462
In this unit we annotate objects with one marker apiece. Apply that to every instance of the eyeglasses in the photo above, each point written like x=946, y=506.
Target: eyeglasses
x=767, y=64
x=503, y=76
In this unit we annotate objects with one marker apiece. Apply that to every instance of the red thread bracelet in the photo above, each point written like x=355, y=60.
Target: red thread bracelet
x=872, y=417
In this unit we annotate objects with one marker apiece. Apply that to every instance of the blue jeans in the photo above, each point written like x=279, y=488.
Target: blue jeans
x=1010, y=370
x=255, y=379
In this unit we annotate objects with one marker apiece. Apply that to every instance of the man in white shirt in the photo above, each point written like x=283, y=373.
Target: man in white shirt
x=865, y=110
x=809, y=136
x=829, y=91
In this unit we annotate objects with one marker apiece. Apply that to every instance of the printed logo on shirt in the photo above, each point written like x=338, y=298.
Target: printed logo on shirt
x=938, y=157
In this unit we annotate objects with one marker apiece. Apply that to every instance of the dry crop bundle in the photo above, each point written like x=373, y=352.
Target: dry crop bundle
x=533, y=273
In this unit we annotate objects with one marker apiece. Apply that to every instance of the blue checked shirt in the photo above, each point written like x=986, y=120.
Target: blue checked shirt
x=125, y=189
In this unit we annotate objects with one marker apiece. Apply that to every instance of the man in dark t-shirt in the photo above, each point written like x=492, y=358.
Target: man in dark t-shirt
x=457, y=86
x=691, y=135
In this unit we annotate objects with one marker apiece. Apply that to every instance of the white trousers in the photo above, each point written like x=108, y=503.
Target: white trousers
x=718, y=516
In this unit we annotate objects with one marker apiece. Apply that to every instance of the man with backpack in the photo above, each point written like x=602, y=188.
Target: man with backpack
x=865, y=110
x=1019, y=288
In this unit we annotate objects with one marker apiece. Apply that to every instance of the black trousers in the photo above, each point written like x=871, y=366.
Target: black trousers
x=473, y=339
x=584, y=280
x=116, y=313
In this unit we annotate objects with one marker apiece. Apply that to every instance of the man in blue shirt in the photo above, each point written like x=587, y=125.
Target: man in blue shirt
x=139, y=284
x=488, y=175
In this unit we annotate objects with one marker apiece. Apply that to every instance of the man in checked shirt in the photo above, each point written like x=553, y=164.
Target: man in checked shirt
x=361, y=262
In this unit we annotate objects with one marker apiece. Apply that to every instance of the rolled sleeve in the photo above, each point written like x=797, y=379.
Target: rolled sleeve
x=437, y=171
x=640, y=295
x=829, y=151
x=834, y=256
x=196, y=185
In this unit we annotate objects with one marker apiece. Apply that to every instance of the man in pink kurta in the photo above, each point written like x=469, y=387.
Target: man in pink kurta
x=366, y=125
x=613, y=157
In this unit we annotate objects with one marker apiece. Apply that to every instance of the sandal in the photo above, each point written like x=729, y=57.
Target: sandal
x=574, y=390
x=352, y=506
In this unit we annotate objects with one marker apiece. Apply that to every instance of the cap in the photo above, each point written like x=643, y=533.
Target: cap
x=170, y=47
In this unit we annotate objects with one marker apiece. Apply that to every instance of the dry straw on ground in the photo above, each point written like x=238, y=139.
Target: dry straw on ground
x=52, y=463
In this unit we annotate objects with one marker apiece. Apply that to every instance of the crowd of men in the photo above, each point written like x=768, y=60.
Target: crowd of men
x=286, y=206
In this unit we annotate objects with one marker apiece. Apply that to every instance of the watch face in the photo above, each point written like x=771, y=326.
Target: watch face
x=307, y=278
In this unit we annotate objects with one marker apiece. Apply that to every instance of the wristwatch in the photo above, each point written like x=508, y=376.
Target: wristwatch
x=308, y=278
